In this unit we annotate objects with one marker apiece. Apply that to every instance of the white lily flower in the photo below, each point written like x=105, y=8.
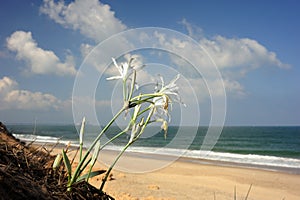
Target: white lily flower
x=123, y=70
x=168, y=93
x=162, y=104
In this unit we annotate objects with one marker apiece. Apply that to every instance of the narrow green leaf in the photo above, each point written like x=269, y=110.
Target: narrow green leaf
x=93, y=159
x=81, y=138
x=67, y=163
x=95, y=154
x=81, y=131
x=91, y=175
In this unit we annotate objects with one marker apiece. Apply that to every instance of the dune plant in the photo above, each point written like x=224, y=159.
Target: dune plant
x=143, y=109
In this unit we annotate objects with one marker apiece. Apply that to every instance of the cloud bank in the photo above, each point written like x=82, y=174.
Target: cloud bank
x=13, y=98
x=38, y=60
x=234, y=57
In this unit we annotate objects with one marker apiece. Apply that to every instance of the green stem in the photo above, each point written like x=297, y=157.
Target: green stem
x=146, y=100
x=132, y=84
x=115, y=137
x=145, y=124
x=78, y=168
x=124, y=149
x=90, y=170
x=114, y=163
x=145, y=110
x=149, y=96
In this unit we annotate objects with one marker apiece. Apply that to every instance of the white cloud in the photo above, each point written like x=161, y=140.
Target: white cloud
x=39, y=61
x=7, y=85
x=235, y=87
x=234, y=52
x=244, y=52
x=235, y=57
x=193, y=30
x=92, y=18
x=13, y=98
x=23, y=99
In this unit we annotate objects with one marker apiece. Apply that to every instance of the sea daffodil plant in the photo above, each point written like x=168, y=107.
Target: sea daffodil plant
x=146, y=108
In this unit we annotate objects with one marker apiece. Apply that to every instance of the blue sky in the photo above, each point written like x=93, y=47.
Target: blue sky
x=254, y=43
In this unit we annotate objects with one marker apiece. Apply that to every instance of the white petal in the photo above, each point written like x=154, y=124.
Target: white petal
x=114, y=78
x=117, y=66
x=125, y=70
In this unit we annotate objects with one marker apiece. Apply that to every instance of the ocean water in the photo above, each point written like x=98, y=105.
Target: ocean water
x=268, y=147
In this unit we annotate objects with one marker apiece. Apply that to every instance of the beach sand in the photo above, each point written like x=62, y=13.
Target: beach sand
x=184, y=179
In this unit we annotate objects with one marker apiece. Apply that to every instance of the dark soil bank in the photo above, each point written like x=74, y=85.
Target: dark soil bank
x=26, y=173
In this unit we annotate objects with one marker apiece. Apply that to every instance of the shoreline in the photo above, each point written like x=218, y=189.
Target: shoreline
x=201, y=161
x=286, y=170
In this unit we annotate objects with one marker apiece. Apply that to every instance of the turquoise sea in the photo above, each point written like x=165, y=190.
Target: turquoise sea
x=268, y=147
